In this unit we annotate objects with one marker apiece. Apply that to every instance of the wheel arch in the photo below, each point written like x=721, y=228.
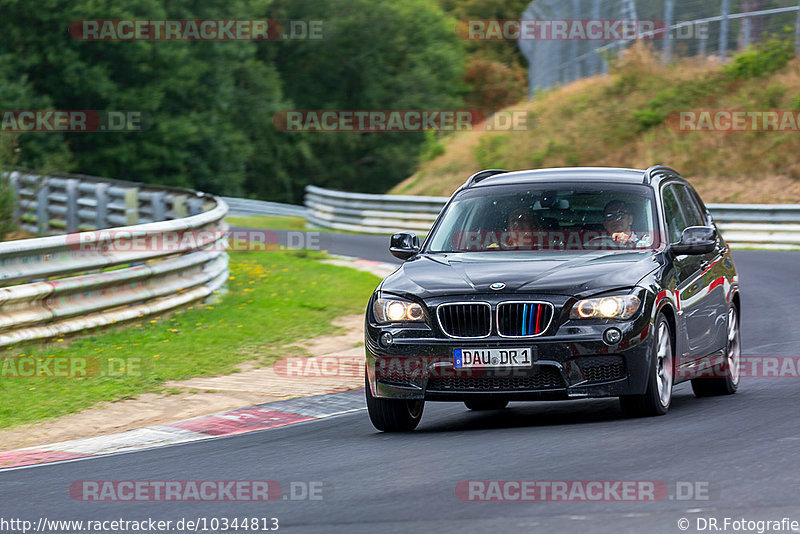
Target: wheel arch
x=669, y=314
x=736, y=299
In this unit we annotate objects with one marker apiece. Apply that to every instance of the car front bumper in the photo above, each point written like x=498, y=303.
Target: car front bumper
x=575, y=363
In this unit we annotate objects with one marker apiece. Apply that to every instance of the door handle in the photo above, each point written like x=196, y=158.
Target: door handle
x=705, y=265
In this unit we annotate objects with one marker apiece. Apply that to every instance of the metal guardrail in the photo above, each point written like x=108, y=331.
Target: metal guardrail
x=243, y=207
x=51, y=286
x=51, y=205
x=361, y=212
x=743, y=225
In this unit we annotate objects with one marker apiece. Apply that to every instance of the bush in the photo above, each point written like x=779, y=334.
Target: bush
x=675, y=98
x=490, y=151
x=761, y=60
x=493, y=86
x=431, y=148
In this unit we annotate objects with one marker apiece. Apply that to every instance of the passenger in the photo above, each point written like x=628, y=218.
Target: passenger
x=521, y=226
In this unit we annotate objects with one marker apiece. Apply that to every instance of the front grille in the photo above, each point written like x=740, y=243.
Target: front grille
x=542, y=377
x=523, y=319
x=603, y=368
x=466, y=319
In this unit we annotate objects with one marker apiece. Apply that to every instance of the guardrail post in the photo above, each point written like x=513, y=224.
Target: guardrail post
x=131, y=206
x=101, y=210
x=723, y=29
x=159, y=206
x=195, y=205
x=669, y=10
x=179, y=208
x=42, y=216
x=13, y=182
x=71, y=217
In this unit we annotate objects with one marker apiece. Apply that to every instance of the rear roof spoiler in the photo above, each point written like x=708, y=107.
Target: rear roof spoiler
x=650, y=173
x=482, y=175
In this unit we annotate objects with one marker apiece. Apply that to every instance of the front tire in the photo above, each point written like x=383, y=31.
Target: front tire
x=728, y=383
x=658, y=396
x=481, y=405
x=393, y=415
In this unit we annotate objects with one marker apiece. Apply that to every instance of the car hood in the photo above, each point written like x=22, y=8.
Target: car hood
x=565, y=273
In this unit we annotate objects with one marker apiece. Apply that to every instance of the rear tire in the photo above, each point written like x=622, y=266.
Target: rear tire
x=393, y=415
x=658, y=396
x=726, y=380
x=481, y=405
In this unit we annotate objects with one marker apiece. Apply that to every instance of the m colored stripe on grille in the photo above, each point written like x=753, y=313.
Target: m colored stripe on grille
x=519, y=319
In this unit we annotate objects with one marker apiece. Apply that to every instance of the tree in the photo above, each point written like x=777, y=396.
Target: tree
x=194, y=93
x=209, y=105
x=375, y=55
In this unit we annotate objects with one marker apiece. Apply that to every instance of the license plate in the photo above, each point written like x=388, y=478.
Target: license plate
x=503, y=358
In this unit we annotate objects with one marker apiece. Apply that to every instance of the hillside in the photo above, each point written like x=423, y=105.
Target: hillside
x=621, y=120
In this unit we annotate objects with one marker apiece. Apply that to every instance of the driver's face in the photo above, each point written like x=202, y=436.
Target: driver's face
x=616, y=220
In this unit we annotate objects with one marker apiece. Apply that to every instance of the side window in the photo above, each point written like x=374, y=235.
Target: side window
x=701, y=206
x=691, y=210
x=676, y=222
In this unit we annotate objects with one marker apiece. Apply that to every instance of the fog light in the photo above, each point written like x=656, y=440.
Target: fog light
x=386, y=339
x=612, y=336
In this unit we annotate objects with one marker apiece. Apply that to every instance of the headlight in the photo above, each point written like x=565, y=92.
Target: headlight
x=392, y=310
x=606, y=308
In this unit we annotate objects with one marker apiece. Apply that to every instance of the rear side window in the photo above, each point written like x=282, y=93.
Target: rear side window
x=676, y=222
x=691, y=209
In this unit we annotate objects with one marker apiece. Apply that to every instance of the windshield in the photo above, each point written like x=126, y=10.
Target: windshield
x=573, y=216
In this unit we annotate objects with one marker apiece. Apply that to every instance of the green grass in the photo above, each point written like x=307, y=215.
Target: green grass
x=272, y=299
x=268, y=221
x=271, y=222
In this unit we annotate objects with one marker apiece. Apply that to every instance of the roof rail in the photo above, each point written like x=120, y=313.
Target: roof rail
x=482, y=175
x=655, y=169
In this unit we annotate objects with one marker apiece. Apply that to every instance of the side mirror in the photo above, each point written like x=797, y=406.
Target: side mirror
x=404, y=245
x=696, y=240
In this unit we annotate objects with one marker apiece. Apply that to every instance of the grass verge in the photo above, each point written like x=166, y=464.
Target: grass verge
x=272, y=299
x=271, y=222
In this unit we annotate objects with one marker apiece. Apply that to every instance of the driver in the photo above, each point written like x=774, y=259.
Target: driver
x=617, y=221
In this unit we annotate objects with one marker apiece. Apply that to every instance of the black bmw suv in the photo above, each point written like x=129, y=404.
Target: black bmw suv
x=556, y=284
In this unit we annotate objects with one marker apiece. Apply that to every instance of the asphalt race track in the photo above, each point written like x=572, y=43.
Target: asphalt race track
x=741, y=453
x=368, y=247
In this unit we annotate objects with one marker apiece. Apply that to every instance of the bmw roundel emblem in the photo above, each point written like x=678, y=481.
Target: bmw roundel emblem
x=497, y=286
